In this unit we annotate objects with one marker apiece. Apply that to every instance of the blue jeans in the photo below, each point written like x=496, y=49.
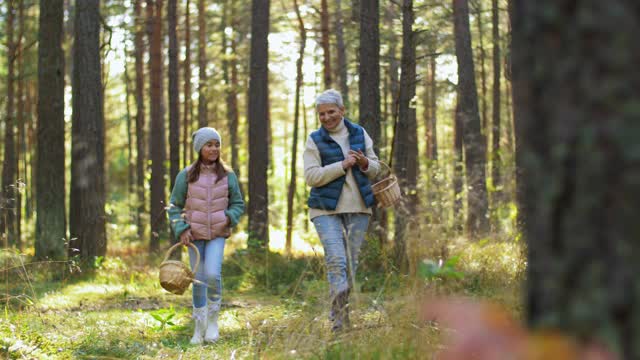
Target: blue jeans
x=336, y=232
x=209, y=271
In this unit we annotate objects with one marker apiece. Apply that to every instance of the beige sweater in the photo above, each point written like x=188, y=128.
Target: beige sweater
x=317, y=175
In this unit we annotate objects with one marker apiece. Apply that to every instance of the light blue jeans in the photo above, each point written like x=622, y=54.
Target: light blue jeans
x=342, y=236
x=209, y=271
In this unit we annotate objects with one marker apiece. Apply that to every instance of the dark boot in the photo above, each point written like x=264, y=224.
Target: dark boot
x=340, y=312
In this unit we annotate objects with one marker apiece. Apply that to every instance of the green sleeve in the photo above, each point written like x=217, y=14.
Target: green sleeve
x=236, y=204
x=176, y=204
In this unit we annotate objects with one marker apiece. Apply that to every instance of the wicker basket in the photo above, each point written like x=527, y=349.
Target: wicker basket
x=175, y=276
x=387, y=190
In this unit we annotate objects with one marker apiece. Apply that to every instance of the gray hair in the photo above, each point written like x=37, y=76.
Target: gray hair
x=330, y=96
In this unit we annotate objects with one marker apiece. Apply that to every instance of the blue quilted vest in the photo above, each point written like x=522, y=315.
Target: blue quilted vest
x=326, y=197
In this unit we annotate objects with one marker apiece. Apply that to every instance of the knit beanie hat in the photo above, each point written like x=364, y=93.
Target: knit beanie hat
x=203, y=136
x=330, y=96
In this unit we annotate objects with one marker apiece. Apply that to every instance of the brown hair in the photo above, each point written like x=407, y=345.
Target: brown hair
x=221, y=170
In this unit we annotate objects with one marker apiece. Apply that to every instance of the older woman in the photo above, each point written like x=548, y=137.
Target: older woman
x=338, y=164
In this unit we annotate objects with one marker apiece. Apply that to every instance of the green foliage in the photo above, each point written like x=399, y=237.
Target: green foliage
x=430, y=270
x=164, y=317
x=272, y=272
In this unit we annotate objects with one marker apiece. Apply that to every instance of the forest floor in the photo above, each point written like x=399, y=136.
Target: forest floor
x=120, y=312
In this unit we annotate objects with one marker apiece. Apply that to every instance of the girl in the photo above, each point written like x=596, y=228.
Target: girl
x=205, y=203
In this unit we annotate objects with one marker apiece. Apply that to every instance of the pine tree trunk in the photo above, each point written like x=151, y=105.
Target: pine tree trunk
x=495, y=126
x=186, y=119
x=259, y=128
x=296, y=116
x=406, y=143
x=369, y=70
x=87, y=212
x=326, y=46
x=50, y=195
x=139, y=51
x=341, y=55
x=9, y=164
x=474, y=142
x=203, y=119
x=20, y=123
x=484, y=118
x=174, y=92
x=578, y=152
x=157, y=152
x=458, y=168
x=230, y=75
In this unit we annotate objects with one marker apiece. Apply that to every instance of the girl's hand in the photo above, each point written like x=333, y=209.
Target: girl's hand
x=186, y=237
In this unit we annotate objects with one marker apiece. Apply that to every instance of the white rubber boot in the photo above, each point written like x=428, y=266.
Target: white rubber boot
x=212, y=333
x=200, y=319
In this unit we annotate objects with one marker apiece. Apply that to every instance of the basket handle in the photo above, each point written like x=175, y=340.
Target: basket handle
x=195, y=268
x=385, y=165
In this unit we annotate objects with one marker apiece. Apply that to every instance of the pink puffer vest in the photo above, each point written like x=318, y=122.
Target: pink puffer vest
x=205, y=205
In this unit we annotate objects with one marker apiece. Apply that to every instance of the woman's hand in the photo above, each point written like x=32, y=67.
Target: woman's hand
x=349, y=161
x=361, y=159
x=186, y=237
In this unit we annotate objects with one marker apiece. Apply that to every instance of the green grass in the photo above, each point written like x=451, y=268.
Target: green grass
x=121, y=312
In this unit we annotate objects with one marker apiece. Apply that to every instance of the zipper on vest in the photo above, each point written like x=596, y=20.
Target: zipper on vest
x=209, y=211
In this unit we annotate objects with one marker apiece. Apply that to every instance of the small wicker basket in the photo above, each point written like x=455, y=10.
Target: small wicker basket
x=387, y=190
x=175, y=276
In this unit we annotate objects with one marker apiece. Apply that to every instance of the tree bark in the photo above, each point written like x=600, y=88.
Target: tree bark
x=50, y=197
x=495, y=124
x=259, y=128
x=296, y=116
x=187, y=104
x=458, y=168
x=474, y=142
x=484, y=118
x=87, y=212
x=157, y=152
x=174, y=92
x=326, y=46
x=577, y=124
x=406, y=143
x=10, y=161
x=202, y=66
x=341, y=55
x=20, y=123
x=139, y=51
x=369, y=70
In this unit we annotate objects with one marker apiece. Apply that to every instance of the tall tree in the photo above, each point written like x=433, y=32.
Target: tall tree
x=187, y=103
x=139, y=50
x=474, y=143
x=484, y=118
x=87, y=212
x=202, y=65
x=458, y=166
x=10, y=162
x=341, y=54
x=495, y=124
x=50, y=199
x=578, y=149
x=173, y=92
x=232, y=92
x=369, y=69
x=20, y=119
x=157, y=152
x=406, y=143
x=369, y=84
x=325, y=42
x=296, y=116
x=259, y=127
